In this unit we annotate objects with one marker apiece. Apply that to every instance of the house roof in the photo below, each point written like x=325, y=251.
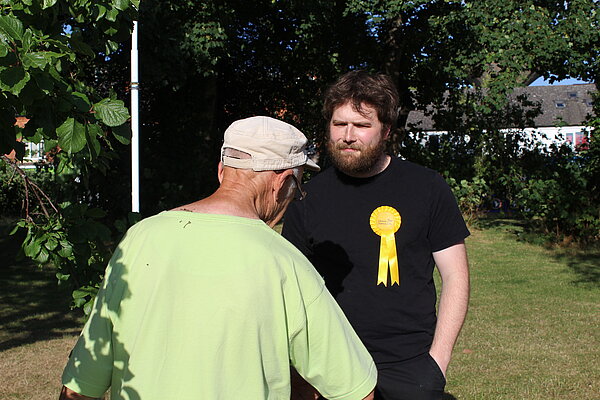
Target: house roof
x=560, y=104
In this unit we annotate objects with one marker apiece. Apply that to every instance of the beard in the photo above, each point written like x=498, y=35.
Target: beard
x=361, y=162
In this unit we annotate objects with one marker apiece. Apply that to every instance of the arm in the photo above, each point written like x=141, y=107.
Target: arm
x=68, y=394
x=302, y=390
x=454, y=270
x=346, y=369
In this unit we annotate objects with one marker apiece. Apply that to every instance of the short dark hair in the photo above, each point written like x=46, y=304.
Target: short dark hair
x=358, y=87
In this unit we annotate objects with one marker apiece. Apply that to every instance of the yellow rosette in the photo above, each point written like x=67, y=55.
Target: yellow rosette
x=385, y=221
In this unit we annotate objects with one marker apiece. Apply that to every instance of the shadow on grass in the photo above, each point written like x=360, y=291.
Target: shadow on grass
x=32, y=306
x=448, y=396
x=583, y=262
x=585, y=265
x=497, y=222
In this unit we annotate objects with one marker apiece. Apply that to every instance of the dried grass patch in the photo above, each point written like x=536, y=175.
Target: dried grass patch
x=33, y=371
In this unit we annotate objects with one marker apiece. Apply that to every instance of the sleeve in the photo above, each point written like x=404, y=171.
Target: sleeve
x=294, y=227
x=328, y=354
x=446, y=226
x=90, y=365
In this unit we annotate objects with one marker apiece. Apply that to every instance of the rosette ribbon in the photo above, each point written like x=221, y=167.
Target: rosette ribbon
x=385, y=222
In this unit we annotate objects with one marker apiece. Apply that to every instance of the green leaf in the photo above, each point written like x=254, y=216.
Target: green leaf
x=92, y=141
x=112, y=14
x=39, y=59
x=111, y=112
x=111, y=31
x=26, y=42
x=111, y=46
x=85, y=291
x=3, y=49
x=43, y=81
x=31, y=248
x=79, y=293
x=81, y=47
x=79, y=301
x=51, y=244
x=60, y=44
x=81, y=101
x=48, y=3
x=62, y=277
x=11, y=27
x=101, y=11
x=54, y=73
x=95, y=130
x=42, y=256
x=14, y=230
x=71, y=136
x=121, y=4
x=87, y=308
x=66, y=250
x=59, y=68
x=122, y=133
x=30, y=94
x=14, y=79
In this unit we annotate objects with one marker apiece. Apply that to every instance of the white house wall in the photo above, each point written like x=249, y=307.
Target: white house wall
x=572, y=135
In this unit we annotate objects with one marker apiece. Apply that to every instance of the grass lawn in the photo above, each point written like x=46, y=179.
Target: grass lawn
x=37, y=328
x=533, y=329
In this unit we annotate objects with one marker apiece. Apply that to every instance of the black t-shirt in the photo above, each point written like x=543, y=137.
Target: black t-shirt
x=331, y=226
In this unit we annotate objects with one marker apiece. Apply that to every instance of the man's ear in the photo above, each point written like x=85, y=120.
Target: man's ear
x=220, y=172
x=280, y=185
x=386, y=133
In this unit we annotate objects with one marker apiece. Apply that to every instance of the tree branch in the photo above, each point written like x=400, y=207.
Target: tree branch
x=28, y=185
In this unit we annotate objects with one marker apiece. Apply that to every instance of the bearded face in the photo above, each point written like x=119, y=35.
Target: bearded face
x=357, y=140
x=354, y=158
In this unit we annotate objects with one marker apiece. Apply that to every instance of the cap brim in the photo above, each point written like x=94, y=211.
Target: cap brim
x=311, y=165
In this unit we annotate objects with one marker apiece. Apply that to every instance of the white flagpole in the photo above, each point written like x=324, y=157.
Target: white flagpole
x=135, y=120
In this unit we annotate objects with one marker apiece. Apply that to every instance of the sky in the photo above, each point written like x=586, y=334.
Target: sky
x=570, y=81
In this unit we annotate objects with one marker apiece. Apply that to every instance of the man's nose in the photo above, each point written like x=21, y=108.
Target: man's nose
x=349, y=134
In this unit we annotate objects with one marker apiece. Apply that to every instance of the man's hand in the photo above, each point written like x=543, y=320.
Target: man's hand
x=68, y=394
x=370, y=396
x=302, y=390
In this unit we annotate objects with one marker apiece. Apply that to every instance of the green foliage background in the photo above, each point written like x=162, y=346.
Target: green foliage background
x=65, y=66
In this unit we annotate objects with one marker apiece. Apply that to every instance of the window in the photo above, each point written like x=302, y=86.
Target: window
x=34, y=152
x=560, y=104
x=578, y=140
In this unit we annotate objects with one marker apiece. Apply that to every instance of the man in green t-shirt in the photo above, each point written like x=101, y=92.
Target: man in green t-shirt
x=206, y=301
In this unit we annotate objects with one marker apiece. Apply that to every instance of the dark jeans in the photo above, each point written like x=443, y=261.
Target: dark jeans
x=419, y=378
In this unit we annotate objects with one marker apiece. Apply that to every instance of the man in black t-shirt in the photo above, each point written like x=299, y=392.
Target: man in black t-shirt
x=375, y=226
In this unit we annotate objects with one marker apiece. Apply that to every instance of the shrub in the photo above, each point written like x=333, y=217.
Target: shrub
x=470, y=196
x=562, y=205
x=11, y=192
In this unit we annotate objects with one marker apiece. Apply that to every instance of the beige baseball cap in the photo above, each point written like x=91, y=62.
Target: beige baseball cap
x=265, y=144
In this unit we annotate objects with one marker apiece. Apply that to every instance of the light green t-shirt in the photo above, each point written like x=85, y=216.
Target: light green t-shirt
x=203, y=306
